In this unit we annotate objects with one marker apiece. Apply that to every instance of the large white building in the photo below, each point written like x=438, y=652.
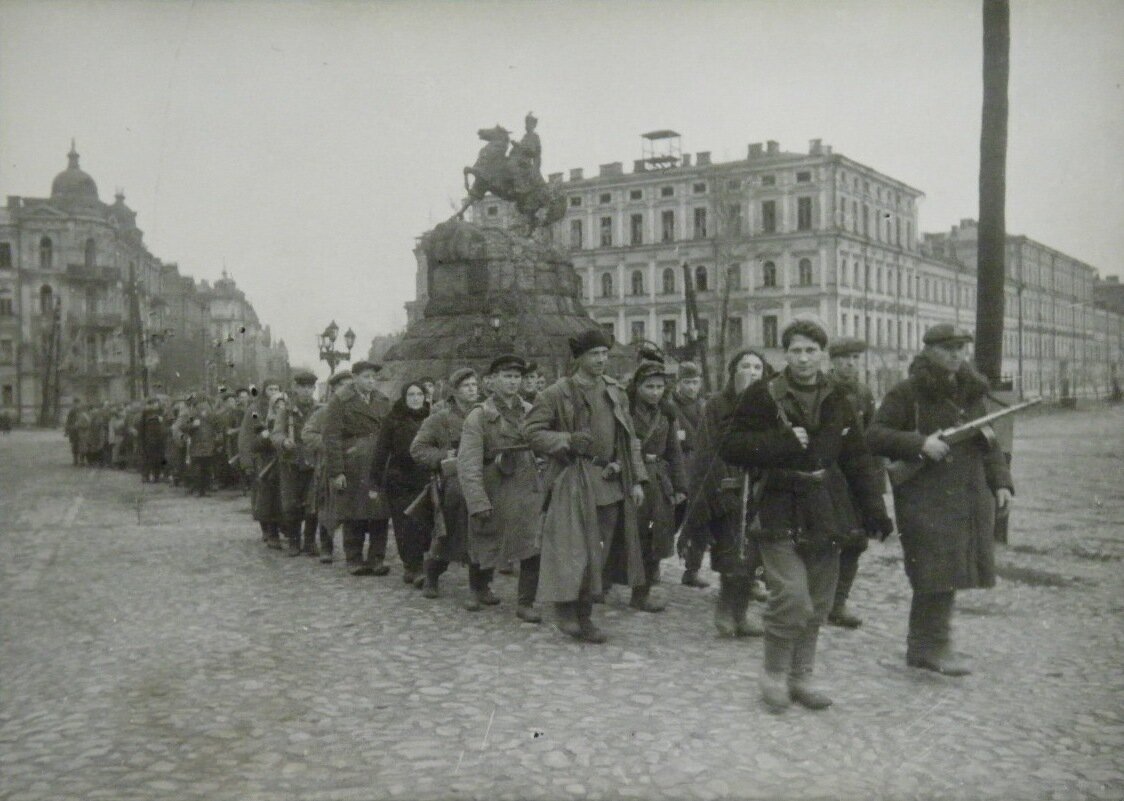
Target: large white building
x=780, y=233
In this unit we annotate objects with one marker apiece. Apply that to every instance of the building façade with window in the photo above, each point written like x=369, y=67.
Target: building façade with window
x=773, y=235
x=781, y=233
x=87, y=313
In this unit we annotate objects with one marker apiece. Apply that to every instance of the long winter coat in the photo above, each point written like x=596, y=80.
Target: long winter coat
x=815, y=514
x=715, y=505
x=570, y=539
x=256, y=453
x=439, y=434
x=505, y=484
x=150, y=435
x=351, y=429
x=862, y=401
x=946, y=513
x=295, y=465
x=393, y=470
x=658, y=432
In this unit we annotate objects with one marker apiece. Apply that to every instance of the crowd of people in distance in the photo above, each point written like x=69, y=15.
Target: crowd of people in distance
x=592, y=482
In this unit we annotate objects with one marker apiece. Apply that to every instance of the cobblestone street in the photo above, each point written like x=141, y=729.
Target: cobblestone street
x=152, y=648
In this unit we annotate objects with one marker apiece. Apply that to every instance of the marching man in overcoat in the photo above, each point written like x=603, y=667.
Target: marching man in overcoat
x=946, y=512
x=295, y=463
x=846, y=359
x=351, y=429
x=801, y=431
x=500, y=481
x=595, y=482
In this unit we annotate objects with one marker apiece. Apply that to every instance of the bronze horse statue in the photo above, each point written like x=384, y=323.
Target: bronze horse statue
x=510, y=177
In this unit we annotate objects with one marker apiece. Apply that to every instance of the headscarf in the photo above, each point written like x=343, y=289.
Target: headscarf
x=401, y=409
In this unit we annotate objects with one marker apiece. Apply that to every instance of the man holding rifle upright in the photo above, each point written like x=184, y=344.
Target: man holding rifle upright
x=946, y=509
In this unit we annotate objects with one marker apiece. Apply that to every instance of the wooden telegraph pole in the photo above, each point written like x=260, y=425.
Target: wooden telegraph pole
x=993, y=189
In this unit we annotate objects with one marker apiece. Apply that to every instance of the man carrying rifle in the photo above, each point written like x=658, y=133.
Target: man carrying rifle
x=946, y=510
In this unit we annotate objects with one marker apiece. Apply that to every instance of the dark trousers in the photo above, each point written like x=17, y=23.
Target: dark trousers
x=354, y=534
x=292, y=529
x=201, y=467
x=930, y=623
x=848, y=569
x=270, y=532
x=692, y=555
x=411, y=538
x=152, y=468
x=528, y=580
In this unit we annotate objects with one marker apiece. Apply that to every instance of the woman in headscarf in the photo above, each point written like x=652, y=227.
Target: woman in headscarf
x=395, y=474
x=716, y=511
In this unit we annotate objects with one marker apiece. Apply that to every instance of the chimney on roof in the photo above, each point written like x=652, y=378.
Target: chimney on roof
x=703, y=158
x=1112, y=279
x=815, y=147
x=576, y=174
x=639, y=166
x=686, y=160
x=615, y=168
x=555, y=178
x=755, y=150
x=14, y=201
x=772, y=147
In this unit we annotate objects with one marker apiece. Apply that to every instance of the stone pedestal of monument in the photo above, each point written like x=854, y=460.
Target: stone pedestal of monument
x=491, y=291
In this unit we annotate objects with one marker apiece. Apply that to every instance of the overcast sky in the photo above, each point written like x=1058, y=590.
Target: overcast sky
x=307, y=144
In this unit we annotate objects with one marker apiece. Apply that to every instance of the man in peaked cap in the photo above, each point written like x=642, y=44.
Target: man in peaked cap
x=596, y=479
x=846, y=368
x=500, y=482
x=351, y=427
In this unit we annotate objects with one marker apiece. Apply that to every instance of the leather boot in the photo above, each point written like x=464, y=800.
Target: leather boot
x=840, y=615
x=432, y=574
x=378, y=567
x=643, y=601
x=308, y=547
x=746, y=623
x=528, y=614
x=724, y=608
x=691, y=579
x=293, y=537
x=566, y=619
x=774, y=676
x=327, y=546
x=930, y=624
x=589, y=631
x=527, y=590
x=800, y=687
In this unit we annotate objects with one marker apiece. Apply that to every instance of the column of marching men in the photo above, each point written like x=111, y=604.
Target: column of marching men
x=587, y=483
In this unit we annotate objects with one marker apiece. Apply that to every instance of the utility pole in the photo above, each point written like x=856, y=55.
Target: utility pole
x=49, y=403
x=993, y=189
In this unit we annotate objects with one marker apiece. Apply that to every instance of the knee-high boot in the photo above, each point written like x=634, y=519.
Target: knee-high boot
x=527, y=589
x=930, y=624
x=746, y=623
x=848, y=569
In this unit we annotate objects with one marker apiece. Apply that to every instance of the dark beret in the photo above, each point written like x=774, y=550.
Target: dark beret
x=845, y=346
x=362, y=366
x=508, y=361
x=304, y=378
x=648, y=369
x=946, y=333
x=588, y=340
x=339, y=377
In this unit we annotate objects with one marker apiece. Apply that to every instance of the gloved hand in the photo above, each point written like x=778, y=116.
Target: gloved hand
x=881, y=527
x=581, y=443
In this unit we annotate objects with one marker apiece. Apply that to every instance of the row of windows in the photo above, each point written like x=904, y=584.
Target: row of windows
x=47, y=254
x=697, y=188
x=804, y=277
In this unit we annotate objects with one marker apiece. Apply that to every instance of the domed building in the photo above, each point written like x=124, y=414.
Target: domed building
x=72, y=328
x=74, y=189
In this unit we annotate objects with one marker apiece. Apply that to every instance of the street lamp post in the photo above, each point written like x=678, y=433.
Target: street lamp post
x=326, y=342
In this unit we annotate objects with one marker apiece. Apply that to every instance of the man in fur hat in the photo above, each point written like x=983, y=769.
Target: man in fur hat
x=595, y=482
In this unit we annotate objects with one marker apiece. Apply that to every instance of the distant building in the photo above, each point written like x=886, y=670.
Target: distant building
x=780, y=233
x=87, y=313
